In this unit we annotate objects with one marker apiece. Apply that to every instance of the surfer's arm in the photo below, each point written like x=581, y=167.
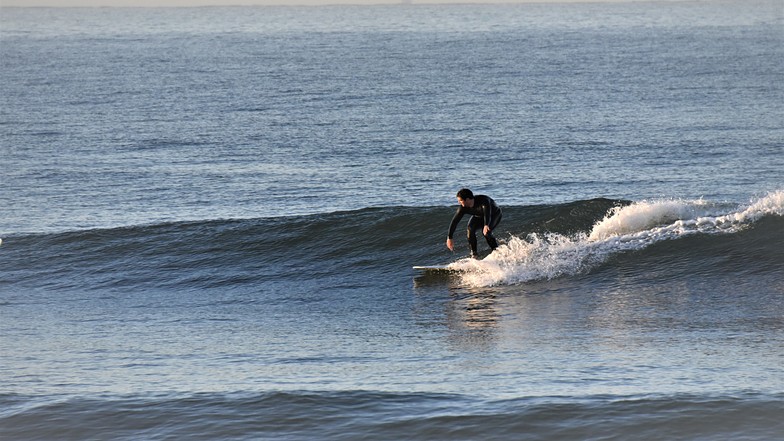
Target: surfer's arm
x=452, y=227
x=488, y=213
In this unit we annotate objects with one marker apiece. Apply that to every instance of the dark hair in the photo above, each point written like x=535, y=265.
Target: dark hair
x=465, y=193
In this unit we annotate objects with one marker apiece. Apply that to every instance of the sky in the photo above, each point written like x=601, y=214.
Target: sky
x=161, y=3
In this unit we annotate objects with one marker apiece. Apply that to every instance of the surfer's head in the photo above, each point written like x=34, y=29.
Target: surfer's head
x=465, y=194
x=466, y=198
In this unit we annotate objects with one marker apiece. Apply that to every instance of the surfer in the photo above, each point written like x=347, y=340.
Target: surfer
x=485, y=214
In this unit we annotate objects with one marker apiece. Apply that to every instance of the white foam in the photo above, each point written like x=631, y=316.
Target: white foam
x=628, y=228
x=644, y=215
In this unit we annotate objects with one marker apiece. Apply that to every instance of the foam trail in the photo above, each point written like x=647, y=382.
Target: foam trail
x=627, y=228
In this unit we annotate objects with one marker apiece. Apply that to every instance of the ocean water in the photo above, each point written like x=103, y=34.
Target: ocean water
x=209, y=218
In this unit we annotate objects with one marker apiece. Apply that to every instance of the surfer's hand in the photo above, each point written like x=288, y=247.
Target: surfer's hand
x=486, y=230
x=450, y=244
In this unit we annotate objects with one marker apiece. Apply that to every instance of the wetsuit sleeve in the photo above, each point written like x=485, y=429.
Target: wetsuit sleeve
x=488, y=209
x=452, y=226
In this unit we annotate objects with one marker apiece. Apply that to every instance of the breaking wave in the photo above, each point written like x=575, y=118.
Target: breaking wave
x=632, y=227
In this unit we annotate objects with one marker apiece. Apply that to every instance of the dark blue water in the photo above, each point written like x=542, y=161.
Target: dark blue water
x=209, y=218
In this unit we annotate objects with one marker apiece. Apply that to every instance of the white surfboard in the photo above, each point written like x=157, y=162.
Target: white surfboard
x=435, y=268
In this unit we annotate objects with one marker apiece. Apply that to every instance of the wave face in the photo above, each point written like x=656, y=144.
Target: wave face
x=542, y=242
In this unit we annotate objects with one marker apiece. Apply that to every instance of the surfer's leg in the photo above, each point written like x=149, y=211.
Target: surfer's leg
x=474, y=224
x=491, y=240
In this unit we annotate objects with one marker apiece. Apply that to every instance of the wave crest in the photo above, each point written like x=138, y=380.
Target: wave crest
x=644, y=215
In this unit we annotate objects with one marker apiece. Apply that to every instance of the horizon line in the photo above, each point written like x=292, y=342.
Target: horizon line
x=158, y=4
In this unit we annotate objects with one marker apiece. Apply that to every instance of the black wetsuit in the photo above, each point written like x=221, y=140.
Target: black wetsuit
x=484, y=212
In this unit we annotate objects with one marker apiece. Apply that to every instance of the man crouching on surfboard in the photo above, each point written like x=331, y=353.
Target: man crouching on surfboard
x=485, y=213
